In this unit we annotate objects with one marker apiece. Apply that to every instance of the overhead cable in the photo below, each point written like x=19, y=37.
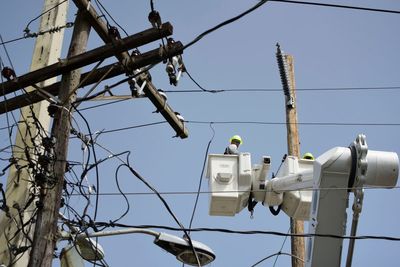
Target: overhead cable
x=256, y=123
x=276, y=254
x=249, y=90
x=246, y=90
x=299, y=123
x=234, y=191
x=201, y=176
x=256, y=232
x=226, y=22
x=338, y=6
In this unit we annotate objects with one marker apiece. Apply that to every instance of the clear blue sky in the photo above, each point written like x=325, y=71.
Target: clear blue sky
x=332, y=48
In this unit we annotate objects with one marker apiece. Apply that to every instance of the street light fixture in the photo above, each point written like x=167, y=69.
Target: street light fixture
x=179, y=247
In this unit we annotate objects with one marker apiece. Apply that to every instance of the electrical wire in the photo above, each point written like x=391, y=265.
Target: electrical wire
x=280, y=250
x=255, y=232
x=262, y=2
x=277, y=254
x=306, y=90
x=108, y=87
x=299, y=123
x=226, y=22
x=240, y=191
x=267, y=90
x=143, y=180
x=12, y=40
x=133, y=127
x=37, y=34
x=95, y=159
x=198, y=85
x=46, y=11
x=338, y=6
x=27, y=31
x=5, y=50
x=201, y=176
x=253, y=122
x=100, y=6
x=167, y=207
x=100, y=105
x=250, y=90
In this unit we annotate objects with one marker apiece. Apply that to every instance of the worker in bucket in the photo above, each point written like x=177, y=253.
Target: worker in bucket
x=233, y=148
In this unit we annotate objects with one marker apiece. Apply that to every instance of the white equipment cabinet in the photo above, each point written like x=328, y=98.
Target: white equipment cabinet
x=230, y=183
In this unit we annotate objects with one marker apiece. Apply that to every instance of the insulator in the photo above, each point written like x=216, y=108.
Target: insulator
x=170, y=68
x=179, y=116
x=155, y=19
x=113, y=31
x=172, y=79
x=8, y=73
x=52, y=109
x=283, y=70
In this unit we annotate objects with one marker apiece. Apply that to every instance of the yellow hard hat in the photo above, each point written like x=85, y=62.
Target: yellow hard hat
x=308, y=155
x=237, y=138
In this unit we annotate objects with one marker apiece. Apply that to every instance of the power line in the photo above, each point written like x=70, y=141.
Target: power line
x=104, y=104
x=201, y=176
x=262, y=2
x=240, y=90
x=299, y=123
x=338, y=6
x=226, y=22
x=100, y=6
x=283, y=244
x=252, y=232
x=276, y=254
x=28, y=34
x=133, y=127
x=12, y=40
x=257, y=123
x=185, y=231
x=46, y=11
x=198, y=85
x=252, y=90
x=229, y=191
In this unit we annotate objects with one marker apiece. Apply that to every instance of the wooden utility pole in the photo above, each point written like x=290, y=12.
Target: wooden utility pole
x=286, y=68
x=47, y=50
x=50, y=196
x=296, y=226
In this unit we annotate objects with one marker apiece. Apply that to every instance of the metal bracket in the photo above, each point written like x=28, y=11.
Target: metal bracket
x=361, y=148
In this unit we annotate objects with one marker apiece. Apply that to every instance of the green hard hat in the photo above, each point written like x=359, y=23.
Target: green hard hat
x=308, y=155
x=237, y=138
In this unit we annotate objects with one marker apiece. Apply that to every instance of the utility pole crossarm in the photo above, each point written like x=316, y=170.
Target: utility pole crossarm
x=162, y=107
x=86, y=58
x=105, y=72
x=102, y=30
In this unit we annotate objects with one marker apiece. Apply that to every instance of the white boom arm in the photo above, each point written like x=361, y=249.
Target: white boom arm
x=234, y=183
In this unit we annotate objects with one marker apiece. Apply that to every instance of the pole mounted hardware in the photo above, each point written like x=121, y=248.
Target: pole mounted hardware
x=284, y=73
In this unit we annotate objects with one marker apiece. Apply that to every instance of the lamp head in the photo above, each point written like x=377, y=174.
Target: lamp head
x=182, y=250
x=89, y=249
